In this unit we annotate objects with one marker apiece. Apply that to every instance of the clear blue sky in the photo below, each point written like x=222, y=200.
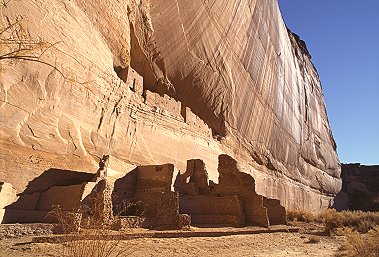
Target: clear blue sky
x=343, y=39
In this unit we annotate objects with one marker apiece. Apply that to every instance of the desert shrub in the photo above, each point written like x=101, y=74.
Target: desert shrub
x=92, y=243
x=67, y=221
x=86, y=231
x=298, y=215
x=357, y=220
x=331, y=220
x=359, y=245
x=313, y=239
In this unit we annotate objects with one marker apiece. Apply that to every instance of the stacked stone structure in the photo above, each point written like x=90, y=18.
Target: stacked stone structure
x=156, y=196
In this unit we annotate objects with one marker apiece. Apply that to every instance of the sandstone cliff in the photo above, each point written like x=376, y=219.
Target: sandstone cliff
x=216, y=77
x=360, y=188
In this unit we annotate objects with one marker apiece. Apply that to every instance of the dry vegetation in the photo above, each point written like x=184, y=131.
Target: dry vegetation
x=361, y=230
x=359, y=245
x=16, y=44
x=83, y=242
x=332, y=219
x=298, y=215
x=89, y=239
x=357, y=220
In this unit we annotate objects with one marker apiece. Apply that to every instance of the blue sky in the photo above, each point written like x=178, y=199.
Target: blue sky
x=343, y=39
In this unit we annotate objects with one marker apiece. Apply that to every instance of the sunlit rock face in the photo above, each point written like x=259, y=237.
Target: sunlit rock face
x=164, y=81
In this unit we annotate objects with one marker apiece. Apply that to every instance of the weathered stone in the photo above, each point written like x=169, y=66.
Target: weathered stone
x=168, y=211
x=213, y=210
x=229, y=79
x=184, y=221
x=360, y=188
x=230, y=202
x=275, y=211
x=124, y=223
x=7, y=196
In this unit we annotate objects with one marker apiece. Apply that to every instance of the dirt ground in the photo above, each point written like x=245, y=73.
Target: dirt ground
x=259, y=245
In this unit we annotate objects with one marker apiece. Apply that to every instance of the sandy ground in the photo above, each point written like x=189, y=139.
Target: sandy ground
x=261, y=245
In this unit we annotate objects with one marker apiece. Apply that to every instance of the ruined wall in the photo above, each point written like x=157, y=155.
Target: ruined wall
x=276, y=212
x=232, y=201
x=229, y=79
x=213, y=210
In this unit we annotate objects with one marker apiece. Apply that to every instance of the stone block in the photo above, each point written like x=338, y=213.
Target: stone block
x=168, y=210
x=276, y=212
x=216, y=220
x=124, y=223
x=184, y=221
x=7, y=194
x=156, y=177
x=211, y=205
x=67, y=197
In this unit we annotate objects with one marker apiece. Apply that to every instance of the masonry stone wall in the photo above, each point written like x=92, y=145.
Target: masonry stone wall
x=154, y=196
x=195, y=122
x=156, y=177
x=233, y=181
x=131, y=78
x=168, y=210
x=232, y=200
x=212, y=209
x=164, y=105
x=67, y=197
x=276, y=212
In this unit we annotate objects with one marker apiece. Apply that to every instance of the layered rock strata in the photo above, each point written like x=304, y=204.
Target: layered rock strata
x=162, y=82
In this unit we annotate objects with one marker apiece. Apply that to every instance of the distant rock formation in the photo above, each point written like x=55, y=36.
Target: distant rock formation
x=164, y=81
x=360, y=188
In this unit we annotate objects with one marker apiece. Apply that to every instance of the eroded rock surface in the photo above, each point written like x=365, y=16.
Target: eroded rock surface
x=149, y=196
x=360, y=188
x=164, y=81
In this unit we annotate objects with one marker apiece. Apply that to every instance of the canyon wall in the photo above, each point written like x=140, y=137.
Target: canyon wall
x=164, y=81
x=360, y=188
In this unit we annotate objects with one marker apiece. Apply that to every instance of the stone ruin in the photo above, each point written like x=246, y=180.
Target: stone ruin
x=232, y=202
x=153, y=196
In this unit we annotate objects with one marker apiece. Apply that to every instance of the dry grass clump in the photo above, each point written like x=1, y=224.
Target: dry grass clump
x=93, y=244
x=95, y=240
x=16, y=43
x=358, y=245
x=313, y=239
x=357, y=220
x=298, y=215
x=83, y=242
x=68, y=221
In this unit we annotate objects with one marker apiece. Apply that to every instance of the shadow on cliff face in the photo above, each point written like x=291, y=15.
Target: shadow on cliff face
x=52, y=187
x=56, y=177
x=360, y=188
x=124, y=193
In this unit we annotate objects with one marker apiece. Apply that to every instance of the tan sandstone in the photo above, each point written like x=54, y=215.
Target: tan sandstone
x=164, y=81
